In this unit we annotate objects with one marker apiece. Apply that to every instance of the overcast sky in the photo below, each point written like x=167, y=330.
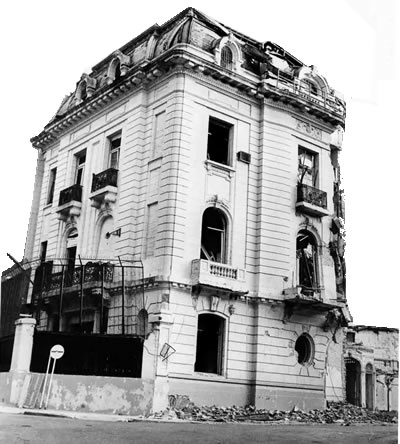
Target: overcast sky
x=47, y=45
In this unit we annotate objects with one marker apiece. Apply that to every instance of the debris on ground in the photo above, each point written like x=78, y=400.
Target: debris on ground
x=336, y=412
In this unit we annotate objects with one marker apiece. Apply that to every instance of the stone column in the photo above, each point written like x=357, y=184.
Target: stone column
x=21, y=357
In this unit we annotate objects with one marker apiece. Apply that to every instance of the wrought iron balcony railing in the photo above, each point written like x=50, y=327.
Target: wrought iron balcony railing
x=92, y=272
x=105, y=178
x=311, y=195
x=69, y=194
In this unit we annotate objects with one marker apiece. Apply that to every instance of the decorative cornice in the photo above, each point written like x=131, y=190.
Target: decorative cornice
x=182, y=56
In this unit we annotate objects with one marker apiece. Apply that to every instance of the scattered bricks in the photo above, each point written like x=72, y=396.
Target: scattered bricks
x=336, y=412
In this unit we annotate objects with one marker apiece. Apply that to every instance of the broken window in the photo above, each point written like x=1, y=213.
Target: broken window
x=210, y=344
x=308, y=167
x=307, y=262
x=305, y=349
x=213, y=236
x=219, y=140
x=226, y=57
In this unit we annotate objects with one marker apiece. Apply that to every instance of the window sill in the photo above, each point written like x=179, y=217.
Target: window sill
x=219, y=169
x=207, y=376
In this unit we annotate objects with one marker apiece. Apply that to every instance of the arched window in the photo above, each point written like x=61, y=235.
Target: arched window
x=226, y=57
x=210, y=344
x=307, y=262
x=142, y=323
x=213, y=236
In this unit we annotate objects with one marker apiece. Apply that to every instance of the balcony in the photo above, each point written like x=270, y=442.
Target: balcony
x=311, y=201
x=104, y=188
x=50, y=278
x=70, y=202
x=221, y=276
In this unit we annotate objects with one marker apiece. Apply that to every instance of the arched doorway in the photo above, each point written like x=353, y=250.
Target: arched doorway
x=369, y=387
x=353, y=381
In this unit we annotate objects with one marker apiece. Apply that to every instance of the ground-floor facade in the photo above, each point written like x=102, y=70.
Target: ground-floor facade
x=203, y=344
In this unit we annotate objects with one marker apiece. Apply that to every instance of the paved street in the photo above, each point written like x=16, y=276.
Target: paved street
x=27, y=429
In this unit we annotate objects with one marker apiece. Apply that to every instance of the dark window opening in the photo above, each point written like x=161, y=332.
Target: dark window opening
x=83, y=91
x=226, y=58
x=210, y=344
x=43, y=251
x=305, y=349
x=142, y=323
x=71, y=255
x=351, y=336
x=218, y=146
x=52, y=183
x=310, y=87
x=213, y=236
x=307, y=262
x=117, y=74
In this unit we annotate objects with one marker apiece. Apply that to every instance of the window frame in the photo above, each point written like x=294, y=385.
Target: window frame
x=79, y=173
x=230, y=127
x=52, y=185
x=221, y=363
x=224, y=250
x=303, y=168
x=112, y=150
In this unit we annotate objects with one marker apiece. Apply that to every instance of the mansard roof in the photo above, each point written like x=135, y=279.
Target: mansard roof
x=147, y=56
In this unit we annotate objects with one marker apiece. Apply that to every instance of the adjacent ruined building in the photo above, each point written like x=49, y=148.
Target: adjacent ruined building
x=186, y=233
x=372, y=367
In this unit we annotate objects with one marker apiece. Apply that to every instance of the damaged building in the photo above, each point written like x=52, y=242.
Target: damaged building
x=187, y=228
x=372, y=367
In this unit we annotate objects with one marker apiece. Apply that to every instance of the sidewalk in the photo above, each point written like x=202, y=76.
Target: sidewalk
x=88, y=416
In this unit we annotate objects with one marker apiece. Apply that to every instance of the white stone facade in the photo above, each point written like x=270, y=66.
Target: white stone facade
x=234, y=276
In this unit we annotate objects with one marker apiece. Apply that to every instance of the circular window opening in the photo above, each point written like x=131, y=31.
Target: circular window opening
x=305, y=349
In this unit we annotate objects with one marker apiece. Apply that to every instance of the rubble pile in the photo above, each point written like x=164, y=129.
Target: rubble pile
x=336, y=412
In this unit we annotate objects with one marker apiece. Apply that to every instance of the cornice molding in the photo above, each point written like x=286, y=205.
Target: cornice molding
x=181, y=56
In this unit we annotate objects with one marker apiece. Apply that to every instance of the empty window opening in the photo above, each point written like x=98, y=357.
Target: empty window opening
x=213, y=236
x=142, y=322
x=117, y=72
x=115, y=145
x=219, y=138
x=52, y=184
x=226, y=57
x=210, y=344
x=310, y=87
x=80, y=167
x=308, y=167
x=82, y=91
x=43, y=251
x=351, y=336
x=305, y=349
x=307, y=262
